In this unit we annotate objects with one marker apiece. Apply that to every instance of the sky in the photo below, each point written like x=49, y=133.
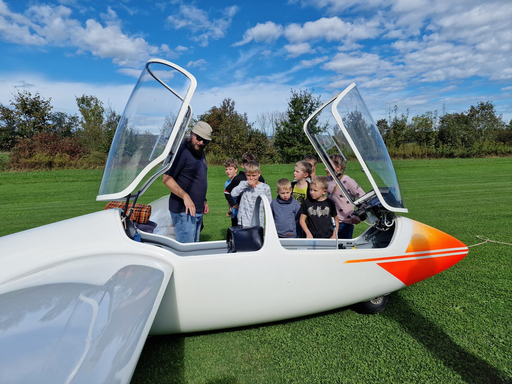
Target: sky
x=418, y=55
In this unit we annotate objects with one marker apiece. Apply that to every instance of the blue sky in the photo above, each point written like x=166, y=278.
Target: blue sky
x=421, y=55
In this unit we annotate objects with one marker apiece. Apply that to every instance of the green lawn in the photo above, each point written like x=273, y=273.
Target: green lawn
x=455, y=327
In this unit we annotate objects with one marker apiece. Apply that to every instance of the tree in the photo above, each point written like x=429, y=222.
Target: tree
x=423, y=130
x=478, y=125
x=64, y=125
x=455, y=131
x=485, y=122
x=396, y=134
x=8, y=131
x=232, y=134
x=98, y=125
x=267, y=121
x=110, y=123
x=31, y=115
x=383, y=127
x=290, y=141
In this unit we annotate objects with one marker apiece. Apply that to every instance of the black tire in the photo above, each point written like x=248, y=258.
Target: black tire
x=375, y=305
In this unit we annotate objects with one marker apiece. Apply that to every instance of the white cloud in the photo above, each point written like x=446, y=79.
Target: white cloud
x=312, y=63
x=132, y=72
x=197, y=63
x=503, y=74
x=330, y=29
x=198, y=21
x=15, y=28
x=267, y=33
x=111, y=42
x=338, y=6
x=54, y=25
x=358, y=64
x=295, y=50
x=18, y=34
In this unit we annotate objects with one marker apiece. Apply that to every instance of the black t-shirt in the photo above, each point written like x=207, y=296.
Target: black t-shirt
x=319, y=214
x=190, y=172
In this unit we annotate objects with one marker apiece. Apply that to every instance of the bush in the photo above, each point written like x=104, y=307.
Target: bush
x=415, y=151
x=4, y=158
x=92, y=160
x=411, y=151
x=45, y=151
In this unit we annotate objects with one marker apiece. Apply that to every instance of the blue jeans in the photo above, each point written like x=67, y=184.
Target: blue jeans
x=345, y=231
x=186, y=227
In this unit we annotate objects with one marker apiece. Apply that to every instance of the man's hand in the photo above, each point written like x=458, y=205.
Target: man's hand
x=176, y=189
x=206, y=208
x=189, y=205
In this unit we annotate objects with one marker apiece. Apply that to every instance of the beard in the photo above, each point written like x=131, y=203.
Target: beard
x=198, y=153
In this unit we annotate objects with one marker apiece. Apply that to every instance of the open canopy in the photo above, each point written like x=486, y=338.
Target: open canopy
x=158, y=112
x=344, y=126
x=150, y=130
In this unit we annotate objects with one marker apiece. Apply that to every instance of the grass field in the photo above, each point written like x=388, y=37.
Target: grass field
x=455, y=327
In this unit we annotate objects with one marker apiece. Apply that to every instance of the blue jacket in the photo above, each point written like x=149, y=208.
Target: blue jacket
x=286, y=216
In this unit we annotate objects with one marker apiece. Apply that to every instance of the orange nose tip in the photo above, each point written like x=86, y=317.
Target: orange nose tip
x=434, y=250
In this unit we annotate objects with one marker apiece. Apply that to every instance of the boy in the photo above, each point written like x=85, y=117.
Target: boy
x=231, y=166
x=285, y=210
x=246, y=157
x=311, y=160
x=300, y=190
x=318, y=212
x=249, y=190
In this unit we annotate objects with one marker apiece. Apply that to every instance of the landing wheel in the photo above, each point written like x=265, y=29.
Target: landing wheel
x=375, y=305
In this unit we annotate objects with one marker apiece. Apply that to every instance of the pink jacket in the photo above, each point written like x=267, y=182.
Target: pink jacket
x=344, y=208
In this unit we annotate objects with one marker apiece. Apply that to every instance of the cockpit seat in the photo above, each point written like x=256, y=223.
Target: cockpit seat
x=245, y=239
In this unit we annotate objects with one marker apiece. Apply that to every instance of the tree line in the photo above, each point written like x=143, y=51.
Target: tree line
x=36, y=137
x=477, y=132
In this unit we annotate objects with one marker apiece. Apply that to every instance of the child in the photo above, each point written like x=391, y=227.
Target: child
x=285, y=210
x=231, y=166
x=311, y=160
x=318, y=212
x=300, y=190
x=345, y=209
x=246, y=157
x=249, y=190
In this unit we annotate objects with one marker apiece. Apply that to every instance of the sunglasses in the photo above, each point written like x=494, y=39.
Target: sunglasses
x=199, y=138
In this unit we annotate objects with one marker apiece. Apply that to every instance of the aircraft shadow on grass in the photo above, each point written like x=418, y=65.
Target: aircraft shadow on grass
x=471, y=368
x=165, y=354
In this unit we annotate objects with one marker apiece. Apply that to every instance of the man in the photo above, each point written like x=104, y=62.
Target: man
x=188, y=183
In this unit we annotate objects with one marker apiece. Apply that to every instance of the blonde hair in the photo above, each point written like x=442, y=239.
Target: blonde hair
x=320, y=181
x=284, y=184
x=338, y=161
x=252, y=167
x=231, y=163
x=305, y=167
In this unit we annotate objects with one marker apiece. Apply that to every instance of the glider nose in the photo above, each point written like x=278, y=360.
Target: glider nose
x=433, y=252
